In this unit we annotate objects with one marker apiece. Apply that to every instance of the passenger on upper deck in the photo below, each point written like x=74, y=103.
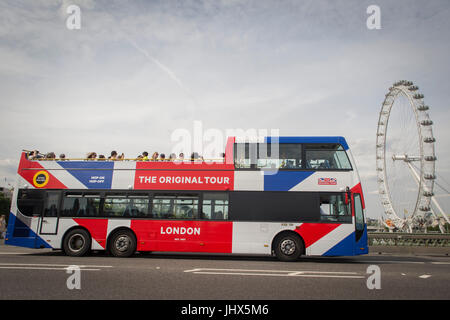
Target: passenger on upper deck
x=35, y=155
x=155, y=156
x=162, y=157
x=113, y=155
x=172, y=157
x=62, y=157
x=194, y=156
x=91, y=156
x=50, y=156
x=144, y=156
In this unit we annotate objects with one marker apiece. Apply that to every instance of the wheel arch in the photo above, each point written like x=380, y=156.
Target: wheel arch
x=288, y=232
x=73, y=228
x=114, y=231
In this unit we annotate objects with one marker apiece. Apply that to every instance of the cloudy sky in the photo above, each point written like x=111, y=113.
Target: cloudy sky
x=137, y=71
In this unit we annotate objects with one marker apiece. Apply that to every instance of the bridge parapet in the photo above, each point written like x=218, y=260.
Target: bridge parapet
x=409, y=239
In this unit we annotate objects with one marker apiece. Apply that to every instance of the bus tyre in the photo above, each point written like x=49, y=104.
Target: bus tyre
x=288, y=247
x=77, y=243
x=122, y=243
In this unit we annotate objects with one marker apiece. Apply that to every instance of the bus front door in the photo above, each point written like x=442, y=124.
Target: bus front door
x=49, y=218
x=361, y=243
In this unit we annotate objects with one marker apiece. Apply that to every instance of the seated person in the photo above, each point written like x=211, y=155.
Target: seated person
x=113, y=155
x=35, y=155
x=50, y=156
x=91, y=156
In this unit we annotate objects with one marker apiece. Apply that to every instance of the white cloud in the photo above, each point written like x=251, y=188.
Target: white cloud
x=134, y=73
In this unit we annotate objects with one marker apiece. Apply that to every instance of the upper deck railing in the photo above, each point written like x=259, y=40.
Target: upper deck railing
x=131, y=159
x=42, y=157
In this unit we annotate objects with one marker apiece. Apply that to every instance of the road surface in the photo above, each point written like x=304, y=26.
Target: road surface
x=42, y=274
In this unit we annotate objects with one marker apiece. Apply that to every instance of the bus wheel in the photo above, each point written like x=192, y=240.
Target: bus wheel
x=77, y=243
x=122, y=243
x=288, y=247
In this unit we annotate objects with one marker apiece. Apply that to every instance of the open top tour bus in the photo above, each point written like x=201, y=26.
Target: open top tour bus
x=288, y=196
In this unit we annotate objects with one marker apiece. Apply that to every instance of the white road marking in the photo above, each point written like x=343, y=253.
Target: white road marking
x=53, y=265
x=391, y=261
x=280, y=275
x=12, y=253
x=277, y=273
x=41, y=268
x=438, y=262
x=45, y=266
x=257, y=270
x=425, y=276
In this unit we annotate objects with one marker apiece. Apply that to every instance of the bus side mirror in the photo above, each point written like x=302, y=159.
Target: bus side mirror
x=348, y=196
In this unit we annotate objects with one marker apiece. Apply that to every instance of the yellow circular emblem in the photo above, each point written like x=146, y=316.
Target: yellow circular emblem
x=40, y=179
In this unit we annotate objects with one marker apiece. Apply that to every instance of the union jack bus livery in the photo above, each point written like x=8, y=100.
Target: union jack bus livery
x=288, y=196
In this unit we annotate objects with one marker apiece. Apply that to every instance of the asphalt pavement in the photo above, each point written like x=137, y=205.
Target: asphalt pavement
x=46, y=274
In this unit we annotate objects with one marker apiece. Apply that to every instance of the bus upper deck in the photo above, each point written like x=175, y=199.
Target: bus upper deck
x=280, y=163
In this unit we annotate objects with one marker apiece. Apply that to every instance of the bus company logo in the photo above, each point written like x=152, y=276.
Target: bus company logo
x=184, y=180
x=180, y=230
x=168, y=180
x=41, y=179
x=327, y=181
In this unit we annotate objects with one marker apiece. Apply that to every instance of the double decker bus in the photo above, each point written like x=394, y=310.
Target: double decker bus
x=287, y=196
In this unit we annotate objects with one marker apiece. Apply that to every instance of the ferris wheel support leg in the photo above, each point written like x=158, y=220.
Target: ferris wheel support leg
x=433, y=199
x=440, y=209
x=441, y=227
